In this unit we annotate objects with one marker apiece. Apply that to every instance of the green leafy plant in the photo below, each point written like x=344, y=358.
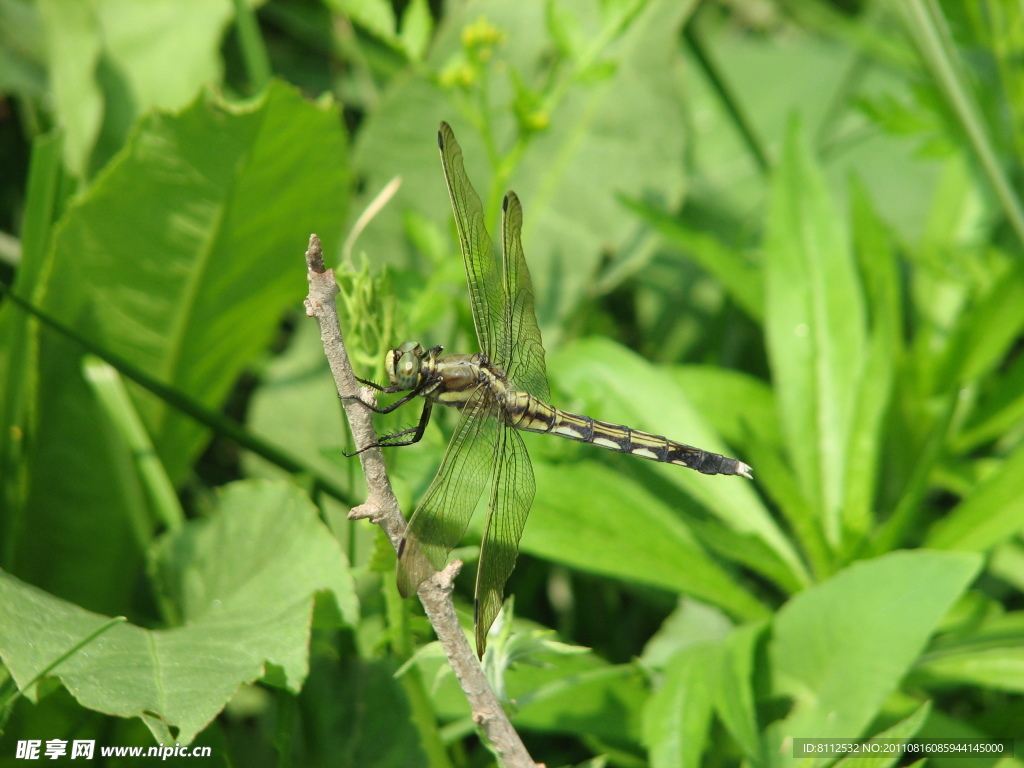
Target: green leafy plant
x=794, y=238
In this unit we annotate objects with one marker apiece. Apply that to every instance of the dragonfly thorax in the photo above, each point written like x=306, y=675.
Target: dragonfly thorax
x=407, y=364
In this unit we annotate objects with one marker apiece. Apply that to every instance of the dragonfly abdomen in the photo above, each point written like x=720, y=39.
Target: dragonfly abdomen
x=528, y=413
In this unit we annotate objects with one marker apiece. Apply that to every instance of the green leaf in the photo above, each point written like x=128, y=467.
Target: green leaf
x=109, y=64
x=731, y=269
x=263, y=547
x=417, y=26
x=994, y=512
x=618, y=386
x=878, y=265
x=189, y=32
x=375, y=16
x=173, y=260
x=999, y=412
x=939, y=56
x=769, y=85
x=733, y=686
x=18, y=348
x=677, y=716
x=74, y=49
x=579, y=694
x=839, y=649
x=779, y=483
x=612, y=526
x=361, y=715
x=904, y=729
x=692, y=621
x=567, y=175
x=989, y=329
x=734, y=403
x=992, y=657
x=731, y=671
x=815, y=328
x=244, y=580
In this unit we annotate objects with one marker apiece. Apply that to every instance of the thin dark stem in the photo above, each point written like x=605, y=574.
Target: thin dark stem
x=729, y=101
x=213, y=419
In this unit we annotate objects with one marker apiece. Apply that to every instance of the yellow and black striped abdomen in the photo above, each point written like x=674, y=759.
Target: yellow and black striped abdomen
x=528, y=413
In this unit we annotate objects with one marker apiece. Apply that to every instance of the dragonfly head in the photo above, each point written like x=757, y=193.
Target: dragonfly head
x=404, y=365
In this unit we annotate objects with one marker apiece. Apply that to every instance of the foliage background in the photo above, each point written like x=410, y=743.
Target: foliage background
x=790, y=233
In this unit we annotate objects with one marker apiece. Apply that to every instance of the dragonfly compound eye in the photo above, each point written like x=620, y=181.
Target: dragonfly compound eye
x=403, y=365
x=408, y=371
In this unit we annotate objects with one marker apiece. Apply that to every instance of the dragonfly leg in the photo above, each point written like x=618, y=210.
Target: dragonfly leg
x=388, y=441
x=387, y=408
x=372, y=384
x=357, y=399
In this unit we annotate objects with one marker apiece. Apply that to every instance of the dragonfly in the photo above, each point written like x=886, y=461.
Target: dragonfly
x=500, y=391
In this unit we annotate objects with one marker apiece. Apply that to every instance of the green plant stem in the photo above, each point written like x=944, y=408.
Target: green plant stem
x=730, y=102
x=111, y=392
x=927, y=26
x=892, y=533
x=254, y=52
x=423, y=717
x=18, y=406
x=216, y=421
x=284, y=727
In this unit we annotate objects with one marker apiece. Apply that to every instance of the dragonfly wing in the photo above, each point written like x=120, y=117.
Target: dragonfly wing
x=442, y=516
x=512, y=493
x=522, y=352
x=477, y=250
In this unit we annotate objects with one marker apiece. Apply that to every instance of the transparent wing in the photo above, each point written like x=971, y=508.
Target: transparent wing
x=506, y=328
x=477, y=250
x=511, y=496
x=440, y=520
x=522, y=352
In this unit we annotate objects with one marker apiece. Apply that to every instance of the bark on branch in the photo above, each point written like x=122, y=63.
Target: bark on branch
x=381, y=507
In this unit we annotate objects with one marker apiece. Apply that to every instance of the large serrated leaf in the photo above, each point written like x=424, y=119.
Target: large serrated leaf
x=108, y=62
x=181, y=258
x=244, y=581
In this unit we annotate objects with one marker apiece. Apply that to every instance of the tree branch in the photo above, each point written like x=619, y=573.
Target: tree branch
x=381, y=507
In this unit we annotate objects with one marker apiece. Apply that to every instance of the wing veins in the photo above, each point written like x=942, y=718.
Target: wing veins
x=444, y=512
x=524, y=359
x=512, y=491
x=478, y=257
